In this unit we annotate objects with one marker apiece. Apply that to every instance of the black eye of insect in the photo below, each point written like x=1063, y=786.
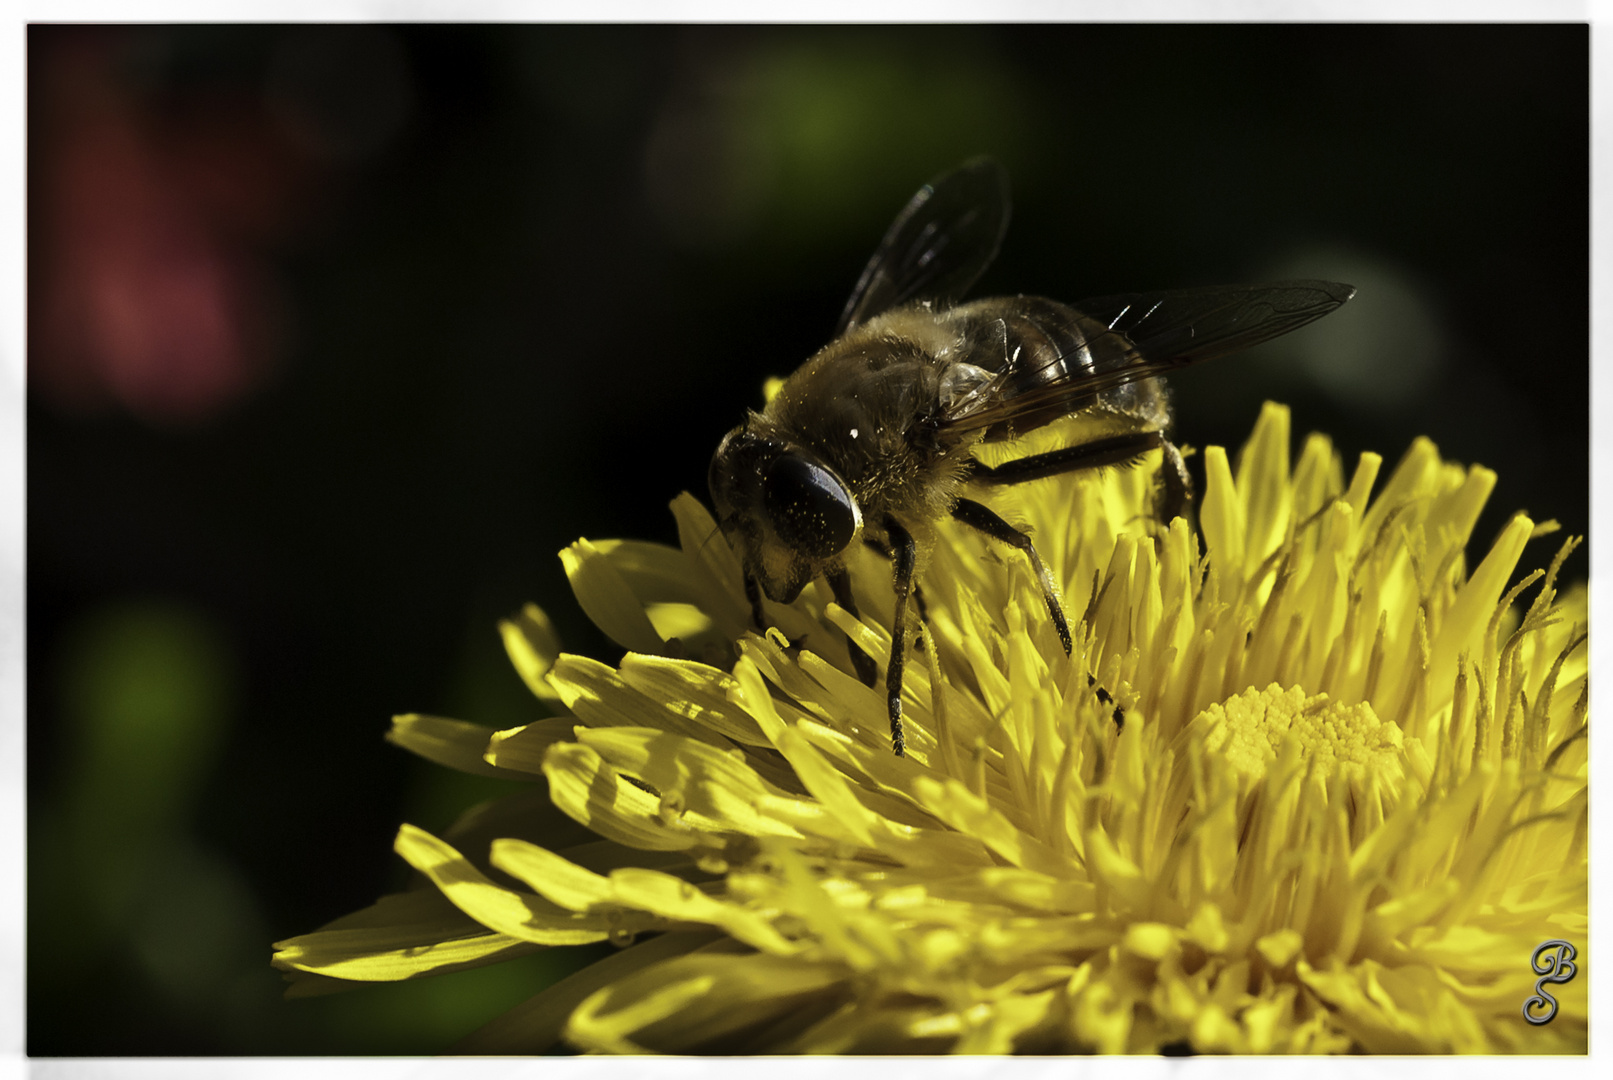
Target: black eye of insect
x=810, y=509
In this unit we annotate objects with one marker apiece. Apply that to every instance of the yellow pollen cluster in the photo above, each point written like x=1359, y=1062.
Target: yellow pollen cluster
x=1248, y=730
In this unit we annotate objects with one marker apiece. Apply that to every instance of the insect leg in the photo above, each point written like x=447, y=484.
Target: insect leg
x=1118, y=714
x=918, y=587
x=1115, y=450
x=1177, y=496
x=753, y=593
x=978, y=516
x=861, y=662
x=904, y=559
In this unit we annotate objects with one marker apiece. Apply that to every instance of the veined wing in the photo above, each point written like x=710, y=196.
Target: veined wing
x=1059, y=359
x=1188, y=325
x=939, y=244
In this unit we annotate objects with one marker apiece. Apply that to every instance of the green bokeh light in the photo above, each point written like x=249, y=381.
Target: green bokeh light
x=814, y=139
x=147, y=689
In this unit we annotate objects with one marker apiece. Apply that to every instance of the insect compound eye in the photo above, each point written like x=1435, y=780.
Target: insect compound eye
x=810, y=509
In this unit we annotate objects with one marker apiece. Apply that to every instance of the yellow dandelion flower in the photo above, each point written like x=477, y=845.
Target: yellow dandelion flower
x=1343, y=803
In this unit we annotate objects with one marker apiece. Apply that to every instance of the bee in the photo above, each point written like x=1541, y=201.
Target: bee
x=870, y=441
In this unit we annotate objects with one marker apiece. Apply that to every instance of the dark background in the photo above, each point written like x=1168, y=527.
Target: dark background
x=339, y=334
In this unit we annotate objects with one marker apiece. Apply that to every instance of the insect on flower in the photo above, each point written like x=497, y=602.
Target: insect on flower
x=870, y=440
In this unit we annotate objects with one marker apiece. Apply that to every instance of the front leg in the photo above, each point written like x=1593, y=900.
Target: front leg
x=904, y=558
x=918, y=588
x=861, y=662
x=753, y=593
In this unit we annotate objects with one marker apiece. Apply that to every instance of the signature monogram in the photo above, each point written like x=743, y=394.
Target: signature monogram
x=1553, y=961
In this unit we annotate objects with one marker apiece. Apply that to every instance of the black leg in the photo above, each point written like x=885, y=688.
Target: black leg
x=1118, y=713
x=1177, y=497
x=977, y=516
x=904, y=559
x=753, y=593
x=861, y=662
x=1117, y=450
x=918, y=588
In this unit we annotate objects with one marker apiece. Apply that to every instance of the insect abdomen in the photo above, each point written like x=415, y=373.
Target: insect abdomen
x=1039, y=347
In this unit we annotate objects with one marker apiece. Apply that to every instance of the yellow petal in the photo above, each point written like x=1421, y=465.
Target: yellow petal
x=697, y=1000
x=588, y=790
x=713, y=569
x=532, y=644
x=673, y=898
x=534, y=1026
x=1005, y=1021
x=607, y=599
x=555, y=878
x=520, y=915
x=600, y=697
x=696, y=692
x=1263, y=486
x=1223, y=520
x=400, y=936
x=454, y=743
x=1468, y=617
x=520, y=750
x=692, y=777
x=962, y=809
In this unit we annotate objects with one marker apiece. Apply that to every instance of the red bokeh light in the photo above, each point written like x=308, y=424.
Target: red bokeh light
x=150, y=219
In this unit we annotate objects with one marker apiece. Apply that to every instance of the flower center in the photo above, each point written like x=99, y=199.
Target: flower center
x=1248, y=729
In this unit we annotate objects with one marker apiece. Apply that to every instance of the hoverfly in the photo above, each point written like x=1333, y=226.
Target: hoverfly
x=869, y=440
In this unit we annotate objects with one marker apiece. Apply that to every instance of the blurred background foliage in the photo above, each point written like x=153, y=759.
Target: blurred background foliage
x=339, y=333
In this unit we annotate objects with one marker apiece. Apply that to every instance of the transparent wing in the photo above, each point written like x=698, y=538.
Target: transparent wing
x=1185, y=326
x=1063, y=358
x=939, y=244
